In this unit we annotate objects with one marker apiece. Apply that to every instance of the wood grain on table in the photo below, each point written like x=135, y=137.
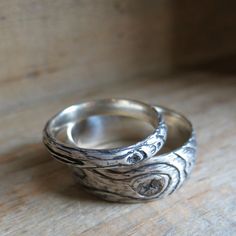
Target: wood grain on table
x=38, y=196
x=57, y=53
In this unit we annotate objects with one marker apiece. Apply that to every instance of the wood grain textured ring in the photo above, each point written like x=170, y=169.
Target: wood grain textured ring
x=112, y=146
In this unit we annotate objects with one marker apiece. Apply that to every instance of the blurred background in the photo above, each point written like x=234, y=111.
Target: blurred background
x=57, y=53
x=179, y=54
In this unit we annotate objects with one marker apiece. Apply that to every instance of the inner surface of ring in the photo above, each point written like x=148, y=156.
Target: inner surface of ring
x=107, y=131
x=115, y=131
x=105, y=124
x=179, y=132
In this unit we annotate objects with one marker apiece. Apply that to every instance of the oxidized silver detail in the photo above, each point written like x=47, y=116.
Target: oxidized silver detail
x=135, y=173
x=160, y=176
x=84, y=157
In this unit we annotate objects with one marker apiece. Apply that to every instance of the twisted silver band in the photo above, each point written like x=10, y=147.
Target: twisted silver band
x=148, y=176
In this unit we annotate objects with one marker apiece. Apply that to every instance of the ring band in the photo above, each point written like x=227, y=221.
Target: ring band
x=161, y=176
x=95, y=112
x=148, y=176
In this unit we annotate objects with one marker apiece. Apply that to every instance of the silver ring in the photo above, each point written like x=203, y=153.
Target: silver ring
x=89, y=121
x=148, y=176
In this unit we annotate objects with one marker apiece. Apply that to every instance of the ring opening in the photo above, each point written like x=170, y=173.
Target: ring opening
x=108, y=131
x=105, y=124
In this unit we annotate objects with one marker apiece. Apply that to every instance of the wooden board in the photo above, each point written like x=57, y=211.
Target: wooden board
x=57, y=53
x=39, y=197
x=107, y=38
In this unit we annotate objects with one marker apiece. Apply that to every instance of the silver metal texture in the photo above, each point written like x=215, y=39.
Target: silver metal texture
x=97, y=122
x=148, y=176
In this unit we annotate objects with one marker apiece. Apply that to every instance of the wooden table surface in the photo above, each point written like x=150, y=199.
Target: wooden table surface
x=38, y=196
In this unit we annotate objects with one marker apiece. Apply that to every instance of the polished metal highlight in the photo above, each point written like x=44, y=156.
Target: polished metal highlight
x=133, y=173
